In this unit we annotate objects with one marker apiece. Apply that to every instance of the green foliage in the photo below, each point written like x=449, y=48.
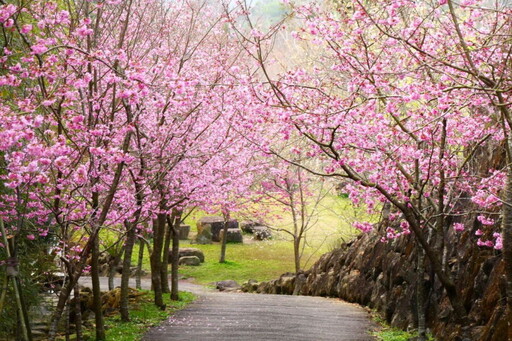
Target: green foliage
x=143, y=316
x=387, y=333
x=34, y=265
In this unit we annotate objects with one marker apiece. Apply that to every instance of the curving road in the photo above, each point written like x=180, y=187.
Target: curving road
x=217, y=316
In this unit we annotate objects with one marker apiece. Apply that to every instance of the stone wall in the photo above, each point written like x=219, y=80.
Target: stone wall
x=382, y=276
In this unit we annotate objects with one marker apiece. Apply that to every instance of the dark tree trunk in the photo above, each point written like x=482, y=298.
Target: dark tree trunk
x=155, y=259
x=25, y=317
x=113, y=268
x=507, y=247
x=65, y=292
x=139, y=265
x=68, y=317
x=23, y=320
x=127, y=264
x=224, y=238
x=434, y=256
x=420, y=295
x=78, y=313
x=164, y=275
x=96, y=291
x=175, y=224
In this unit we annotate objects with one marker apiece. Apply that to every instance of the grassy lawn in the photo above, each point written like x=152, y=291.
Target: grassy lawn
x=265, y=260
x=259, y=260
x=332, y=222
x=143, y=316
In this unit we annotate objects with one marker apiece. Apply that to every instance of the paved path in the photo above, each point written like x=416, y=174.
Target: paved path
x=216, y=316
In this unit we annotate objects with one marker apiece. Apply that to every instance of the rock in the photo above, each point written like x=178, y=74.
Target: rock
x=216, y=224
x=247, y=226
x=188, y=251
x=382, y=276
x=285, y=284
x=228, y=285
x=250, y=286
x=251, y=226
x=189, y=260
x=234, y=235
x=204, y=234
x=261, y=233
x=104, y=269
x=300, y=280
x=184, y=230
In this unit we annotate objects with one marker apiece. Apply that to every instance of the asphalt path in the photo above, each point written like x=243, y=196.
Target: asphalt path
x=219, y=316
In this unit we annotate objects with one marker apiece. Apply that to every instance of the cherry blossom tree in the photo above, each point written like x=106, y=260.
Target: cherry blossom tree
x=114, y=110
x=399, y=102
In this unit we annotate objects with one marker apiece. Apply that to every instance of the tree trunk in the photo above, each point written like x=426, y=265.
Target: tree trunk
x=26, y=320
x=434, y=258
x=224, y=238
x=296, y=253
x=164, y=275
x=113, y=268
x=65, y=292
x=67, y=316
x=420, y=294
x=138, y=276
x=507, y=247
x=96, y=291
x=127, y=264
x=155, y=259
x=22, y=316
x=175, y=254
x=78, y=313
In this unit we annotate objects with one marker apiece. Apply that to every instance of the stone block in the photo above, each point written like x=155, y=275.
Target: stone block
x=184, y=230
x=190, y=260
x=189, y=251
x=233, y=236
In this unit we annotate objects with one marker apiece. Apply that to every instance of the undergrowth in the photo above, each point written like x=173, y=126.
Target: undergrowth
x=143, y=315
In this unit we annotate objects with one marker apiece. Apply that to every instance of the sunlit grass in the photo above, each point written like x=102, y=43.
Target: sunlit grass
x=332, y=224
x=260, y=260
x=265, y=260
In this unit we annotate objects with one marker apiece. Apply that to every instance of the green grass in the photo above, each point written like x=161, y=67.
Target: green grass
x=267, y=260
x=387, y=333
x=259, y=260
x=393, y=335
x=143, y=316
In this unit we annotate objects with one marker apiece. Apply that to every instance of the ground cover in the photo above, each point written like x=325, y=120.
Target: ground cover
x=143, y=315
x=388, y=333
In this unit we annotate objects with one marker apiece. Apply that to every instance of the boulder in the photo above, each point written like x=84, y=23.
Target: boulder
x=213, y=223
x=300, y=280
x=216, y=224
x=261, y=233
x=233, y=236
x=189, y=260
x=228, y=285
x=184, y=230
x=204, y=234
x=247, y=226
x=250, y=286
x=188, y=251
